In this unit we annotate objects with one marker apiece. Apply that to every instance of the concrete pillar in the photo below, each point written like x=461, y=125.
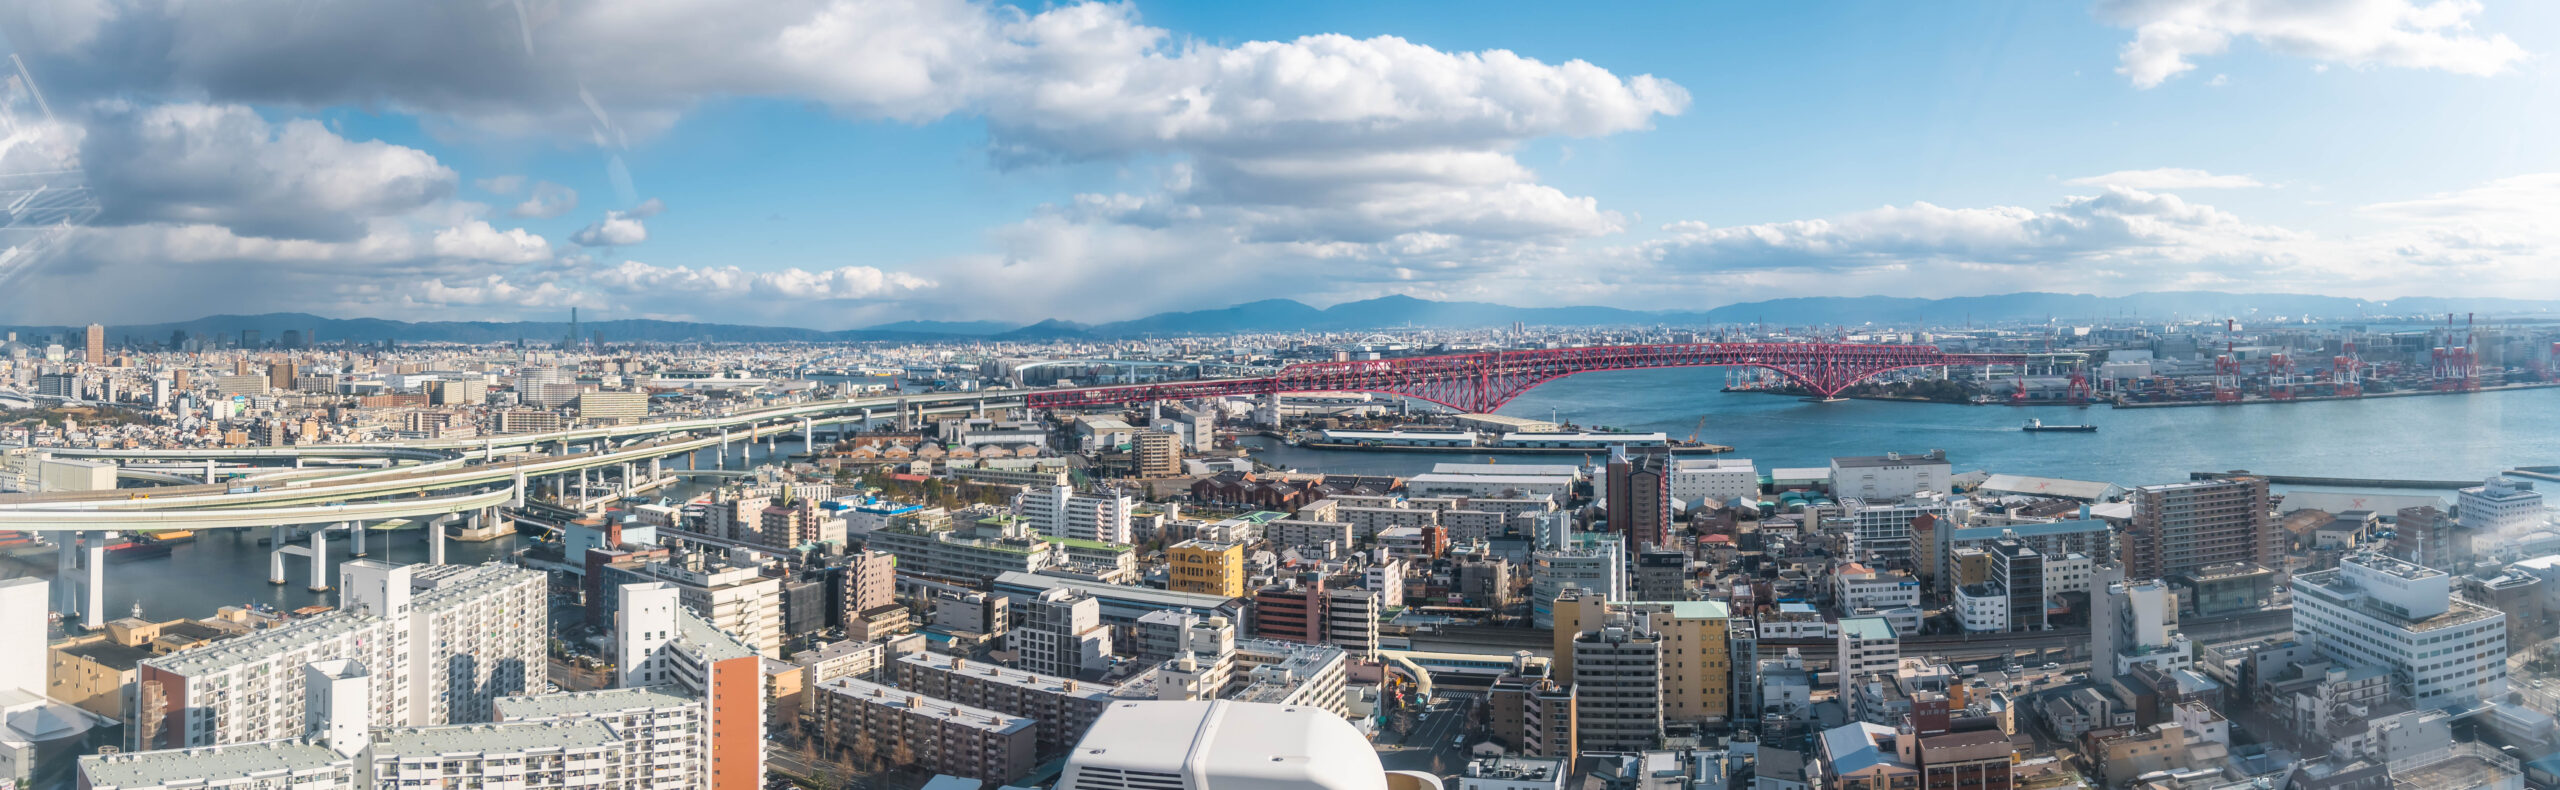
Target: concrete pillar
x=355, y=537
x=93, y=612
x=519, y=499
x=808, y=437
x=320, y=559
x=435, y=538
x=66, y=566
x=724, y=448
x=208, y=471
x=275, y=554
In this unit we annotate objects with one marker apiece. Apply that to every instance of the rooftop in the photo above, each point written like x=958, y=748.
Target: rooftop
x=1891, y=459
x=1866, y=628
x=2072, y=526
x=921, y=705
x=543, y=706
x=501, y=738
x=212, y=763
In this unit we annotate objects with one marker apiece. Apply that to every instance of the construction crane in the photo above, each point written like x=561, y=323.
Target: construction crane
x=1701, y=429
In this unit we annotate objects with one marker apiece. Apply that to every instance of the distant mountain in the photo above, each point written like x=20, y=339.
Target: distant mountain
x=1388, y=312
x=944, y=327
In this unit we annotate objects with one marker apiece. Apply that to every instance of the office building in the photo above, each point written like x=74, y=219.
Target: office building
x=280, y=375
x=941, y=737
x=1639, y=495
x=1883, y=527
x=958, y=557
x=1727, y=480
x=2374, y=610
x=457, y=392
x=529, y=421
x=1291, y=610
x=2020, y=573
x=613, y=408
x=2501, y=506
x=1211, y=567
x=1060, y=632
x=1060, y=512
x=1221, y=745
x=440, y=642
x=2181, y=527
x=96, y=347
x=1867, y=645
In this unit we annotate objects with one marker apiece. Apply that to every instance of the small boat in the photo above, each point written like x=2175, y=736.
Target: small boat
x=2038, y=426
x=136, y=550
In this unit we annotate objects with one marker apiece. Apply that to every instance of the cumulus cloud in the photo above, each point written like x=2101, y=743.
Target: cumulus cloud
x=546, y=201
x=2167, y=179
x=617, y=229
x=2119, y=230
x=223, y=164
x=2419, y=34
x=1364, y=160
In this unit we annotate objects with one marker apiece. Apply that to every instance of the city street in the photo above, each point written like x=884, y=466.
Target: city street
x=1431, y=747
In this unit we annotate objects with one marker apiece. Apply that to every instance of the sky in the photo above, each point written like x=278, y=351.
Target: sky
x=845, y=163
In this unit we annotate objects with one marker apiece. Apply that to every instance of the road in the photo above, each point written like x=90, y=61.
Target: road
x=1431, y=747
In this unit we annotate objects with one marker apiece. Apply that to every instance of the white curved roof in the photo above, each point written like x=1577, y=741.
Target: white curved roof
x=1225, y=746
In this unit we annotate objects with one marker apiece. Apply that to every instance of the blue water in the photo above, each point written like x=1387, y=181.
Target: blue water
x=2445, y=437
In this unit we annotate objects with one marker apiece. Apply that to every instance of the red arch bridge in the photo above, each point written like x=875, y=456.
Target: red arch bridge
x=1482, y=382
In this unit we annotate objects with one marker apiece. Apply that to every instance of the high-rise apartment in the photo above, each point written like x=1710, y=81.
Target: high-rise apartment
x=97, y=344
x=1617, y=677
x=2180, y=527
x=440, y=642
x=1696, y=676
x=1060, y=512
x=1060, y=632
x=1639, y=495
x=1158, y=454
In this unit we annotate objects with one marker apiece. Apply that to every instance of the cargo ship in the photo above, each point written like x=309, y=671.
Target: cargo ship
x=2038, y=426
x=139, y=548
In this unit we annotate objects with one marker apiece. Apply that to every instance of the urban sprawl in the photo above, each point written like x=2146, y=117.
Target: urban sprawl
x=980, y=563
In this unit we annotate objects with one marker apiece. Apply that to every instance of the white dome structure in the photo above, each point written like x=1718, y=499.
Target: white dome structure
x=1144, y=745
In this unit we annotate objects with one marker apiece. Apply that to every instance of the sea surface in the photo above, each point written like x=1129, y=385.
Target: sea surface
x=2438, y=437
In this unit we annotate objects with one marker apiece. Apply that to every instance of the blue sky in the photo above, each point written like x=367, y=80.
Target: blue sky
x=839, y=163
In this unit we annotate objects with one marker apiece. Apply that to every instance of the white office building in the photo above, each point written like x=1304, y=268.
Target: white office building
x=1724, y=479
x=1891, y=475
x=1883, y=526
x=1595, y=563
x=1060, y=632
x=2379, y=611
x=2501, y=506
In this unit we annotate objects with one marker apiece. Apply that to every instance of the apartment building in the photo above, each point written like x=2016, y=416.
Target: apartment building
x=441, y=643
x=2181, y=527
x=729, y=589
x=1058, y=511
x=1062, y=707
x=942, y=737
x=1060, y=632
x=1694, y=664
x=1618, y=683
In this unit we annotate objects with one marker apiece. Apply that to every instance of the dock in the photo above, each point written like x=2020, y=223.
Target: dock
x=2340, y=482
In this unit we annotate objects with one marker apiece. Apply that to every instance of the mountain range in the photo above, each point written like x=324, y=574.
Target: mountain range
x=1390, y=312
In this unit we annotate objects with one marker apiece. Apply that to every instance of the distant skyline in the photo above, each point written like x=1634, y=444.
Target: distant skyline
x=841, y=163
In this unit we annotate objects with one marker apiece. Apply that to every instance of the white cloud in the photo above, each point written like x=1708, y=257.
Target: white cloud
x=223, y=164
x=648, y=208
x=546, y=201
x=2166, y=179
x=615, y=230
x=1330, y=148
x=2419, y=34
x=500, y=185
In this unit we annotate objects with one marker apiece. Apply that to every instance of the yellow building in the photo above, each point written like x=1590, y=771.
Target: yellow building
x=1207, y=566
x=1697, y=672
